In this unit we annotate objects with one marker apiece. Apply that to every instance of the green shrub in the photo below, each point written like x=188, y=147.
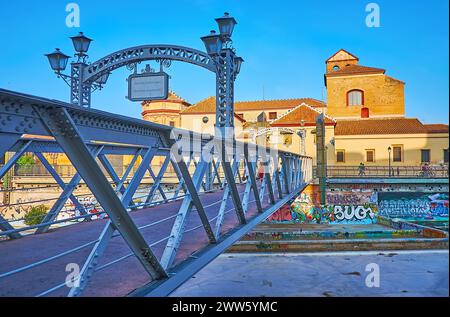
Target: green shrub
x=25, y=163
x=35, y=215
x=26, y=160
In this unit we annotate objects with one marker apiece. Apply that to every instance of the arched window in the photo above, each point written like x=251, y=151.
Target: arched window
x=335, y=68
x=355, y=97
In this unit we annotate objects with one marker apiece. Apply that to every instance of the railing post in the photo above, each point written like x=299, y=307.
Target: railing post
x=286, y=170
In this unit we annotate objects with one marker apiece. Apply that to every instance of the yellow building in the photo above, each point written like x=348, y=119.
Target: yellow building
x=165, y=111
x=364, y=117
x=201, y=118
x=249, y=115
x=368, y=111
x=411, y=142
x=355, y=91
x=250, y=111
x=369, y=108
x=295, y=131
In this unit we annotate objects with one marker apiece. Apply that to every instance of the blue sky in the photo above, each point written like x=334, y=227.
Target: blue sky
x=284, y=44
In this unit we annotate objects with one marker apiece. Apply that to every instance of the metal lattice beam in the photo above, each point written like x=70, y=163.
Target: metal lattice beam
x=62, y=127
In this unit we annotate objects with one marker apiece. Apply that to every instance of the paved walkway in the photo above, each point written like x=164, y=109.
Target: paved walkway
x=402, y=273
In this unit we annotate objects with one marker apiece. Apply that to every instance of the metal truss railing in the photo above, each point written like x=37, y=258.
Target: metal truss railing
x=432, y=171
x=88, y=138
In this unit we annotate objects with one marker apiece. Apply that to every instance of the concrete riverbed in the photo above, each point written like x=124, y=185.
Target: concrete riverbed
x=329, y=274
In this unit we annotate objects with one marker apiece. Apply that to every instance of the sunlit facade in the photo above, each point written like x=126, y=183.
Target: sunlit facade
x=364, y=118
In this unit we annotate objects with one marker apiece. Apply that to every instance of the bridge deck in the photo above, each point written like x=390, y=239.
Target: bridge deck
x=89, y=138
x=120, y=278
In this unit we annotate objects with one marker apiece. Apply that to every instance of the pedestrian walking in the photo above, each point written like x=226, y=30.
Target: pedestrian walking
x=361, y=169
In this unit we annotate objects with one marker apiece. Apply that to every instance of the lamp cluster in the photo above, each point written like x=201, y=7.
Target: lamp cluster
x=215, y=43
x=218, y=47
x=58, y=60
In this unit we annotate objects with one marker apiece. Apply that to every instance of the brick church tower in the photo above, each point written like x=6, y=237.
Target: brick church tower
x=356, y=91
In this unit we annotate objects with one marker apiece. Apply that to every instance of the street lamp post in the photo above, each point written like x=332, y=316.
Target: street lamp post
x=302, y=134
x=220, y=58
x=228, y=65
x=80, y=91
x=389, y=154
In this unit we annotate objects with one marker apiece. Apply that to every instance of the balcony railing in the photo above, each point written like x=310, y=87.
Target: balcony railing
x=435, y=171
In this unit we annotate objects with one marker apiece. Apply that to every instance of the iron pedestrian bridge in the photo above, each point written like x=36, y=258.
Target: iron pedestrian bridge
x=145, y=247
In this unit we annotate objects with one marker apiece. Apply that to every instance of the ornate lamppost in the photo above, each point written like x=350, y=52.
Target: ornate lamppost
x=80, y=91
x=228, y=65
x=302, y=134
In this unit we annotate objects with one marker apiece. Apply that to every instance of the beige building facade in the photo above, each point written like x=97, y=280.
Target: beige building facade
x=358, y=91
x=364, y=118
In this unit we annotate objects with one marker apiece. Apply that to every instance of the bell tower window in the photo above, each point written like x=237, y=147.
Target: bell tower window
x=355, y=98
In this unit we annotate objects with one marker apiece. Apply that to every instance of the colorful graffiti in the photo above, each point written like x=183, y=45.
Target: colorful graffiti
x=89, y=204
x=351, y=198
x=413, y=205
x=358, y=214
x=350, y=205
x=343, y=208
x=282, y=215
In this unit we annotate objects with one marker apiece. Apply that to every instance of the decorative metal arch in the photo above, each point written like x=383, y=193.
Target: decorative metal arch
x=144, y=53
x=85, y=76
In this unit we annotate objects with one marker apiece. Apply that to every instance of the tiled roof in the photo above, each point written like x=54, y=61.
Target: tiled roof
x=277, y=104
x=302, y=112
x=436, y=128
x=208, y=105
x=172, y=96
x=356, y=69
x=379, y=126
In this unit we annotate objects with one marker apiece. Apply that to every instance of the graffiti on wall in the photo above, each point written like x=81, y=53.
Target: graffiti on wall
x=351, y=198
x=354, y=214
x=89, y=204
x=413, y=205
x=22, y=205
x=342, y=208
